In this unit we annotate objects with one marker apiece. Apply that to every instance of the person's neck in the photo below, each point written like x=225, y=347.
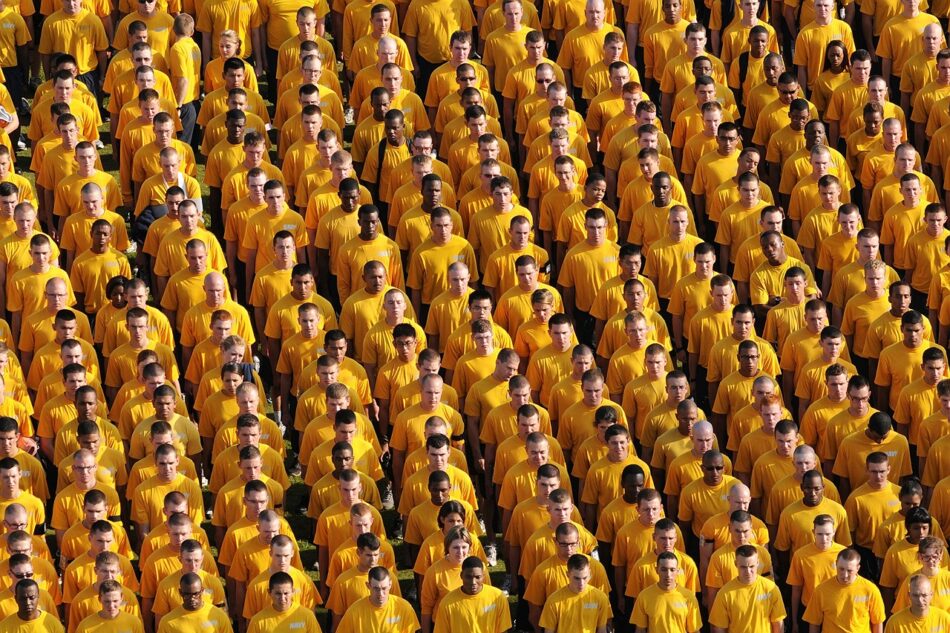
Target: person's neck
x=40, y=268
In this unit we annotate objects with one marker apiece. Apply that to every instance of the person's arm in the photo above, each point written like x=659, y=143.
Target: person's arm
x=881, y=395
x=633, y=39
x=323, y=559
x=411, y=45
x=323, y=265
x=791, y=20
x=257, y=41
x=249, y=277
x=272, y=349
x=508, y=121
x=286, y=380
x=47, y=448
x=399, y=462
x=666, y=108
x=16, y=320
x=415, y=297
x=160, y=283
x=568, y=296
x=473, y=430
x=534, y=615
x=802, y=76
x=886, y=65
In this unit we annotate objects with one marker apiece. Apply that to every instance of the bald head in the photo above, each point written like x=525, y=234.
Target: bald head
x=739, y=491
x=213, y=279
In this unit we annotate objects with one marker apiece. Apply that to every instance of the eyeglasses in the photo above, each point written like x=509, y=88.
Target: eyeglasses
x=23, y=574
x=572, y=544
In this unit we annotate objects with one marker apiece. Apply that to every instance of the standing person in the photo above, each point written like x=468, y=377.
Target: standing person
x=748, y=602
x=475, y=606
x=380, y=611
x=846, y=602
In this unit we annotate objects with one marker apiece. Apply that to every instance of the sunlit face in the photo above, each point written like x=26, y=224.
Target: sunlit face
x=747, y=568
x=578, y=579
x=846, y=571
x=668, y=572
x=457, y=551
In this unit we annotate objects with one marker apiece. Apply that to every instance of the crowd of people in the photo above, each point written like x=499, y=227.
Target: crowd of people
x=386, y=316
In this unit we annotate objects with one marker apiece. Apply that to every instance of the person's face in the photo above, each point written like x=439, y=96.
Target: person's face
x=824, y=536
x=931, y=558
x=934, y=371
x=457, y=551
x=369, y=225
x=102, y=541
x=618, y=447
x=535, y=50
x=618, y=78
x=672, y=11
x=594, y=12
x=431, y=394
x=877, y=91
x=578, y=579
x=831, y=346
x=167, y=466
x=637, y=333
x=798, y=119
x=722, y=297
x=665, y=540
x=873, y=123
x=813, y=490
x=473, y=579
x=501, y=197
x=706, y=93
x=90, y=442
x=249, y=436
x=40, y=254
x=861, y=72
x=7, y=203
x=703, y=440
x=713, y=470
x=392, y=82
x=302, y=286
x=747, y=568
x=326, y=149
x=538, y=453
x=438, y=457
x=650, y=511
x=913, y=334
x=868, y=249
x=460, y=51
x=774, y=249
x=804, y=463
x=917, y=531
x=662, y=191
x=695, y=43
x=395, y=305
x=668, y=572
x=432, y=193
x=935, y=222
x=255, y=501
x=921, y=596
x=379, y=591
x=8, y=442
x=846, y=571
x=656, y=367
x=28, y=598
x=795, y=287
x=910, y=191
